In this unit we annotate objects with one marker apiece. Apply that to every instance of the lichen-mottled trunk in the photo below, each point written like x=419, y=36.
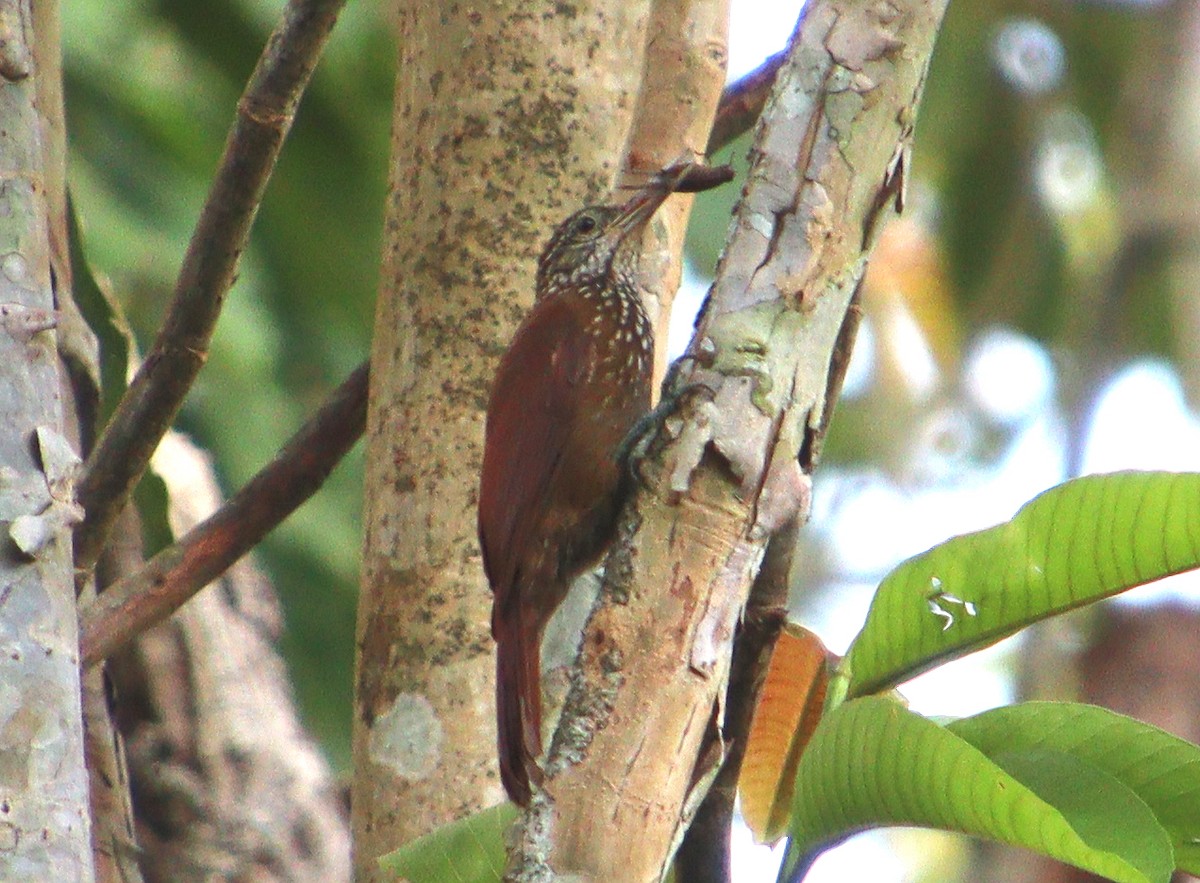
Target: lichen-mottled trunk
x=506, y=118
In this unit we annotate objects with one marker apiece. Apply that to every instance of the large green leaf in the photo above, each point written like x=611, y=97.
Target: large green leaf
x=1106, y=814
x=1081, y=541
x=470, y=850
x=872, y=763
x=1163, y=770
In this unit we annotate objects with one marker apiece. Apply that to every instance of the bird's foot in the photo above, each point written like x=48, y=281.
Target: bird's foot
x=680, y=419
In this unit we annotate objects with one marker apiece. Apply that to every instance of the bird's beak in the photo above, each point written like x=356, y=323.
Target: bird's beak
x=644, y=203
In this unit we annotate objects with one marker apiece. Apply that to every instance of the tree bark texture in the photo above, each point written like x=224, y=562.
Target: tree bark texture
x=227, y=784
x=829, y=162
x=684, y=73
x=505, y=121
x=44, y=825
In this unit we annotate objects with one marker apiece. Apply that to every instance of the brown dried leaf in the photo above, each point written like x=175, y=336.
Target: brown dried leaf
x=791, y=704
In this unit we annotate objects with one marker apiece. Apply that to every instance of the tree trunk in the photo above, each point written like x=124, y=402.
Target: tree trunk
x=226, y=780
x=227, y=783
x=44, y=822
x=505, y=122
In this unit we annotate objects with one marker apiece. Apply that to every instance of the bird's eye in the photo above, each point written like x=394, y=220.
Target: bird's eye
x=586, y=224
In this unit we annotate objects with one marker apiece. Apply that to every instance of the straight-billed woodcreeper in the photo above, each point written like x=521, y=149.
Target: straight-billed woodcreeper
x=570, y=388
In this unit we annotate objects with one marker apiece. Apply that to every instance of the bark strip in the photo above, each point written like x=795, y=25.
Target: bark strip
x=138, y=600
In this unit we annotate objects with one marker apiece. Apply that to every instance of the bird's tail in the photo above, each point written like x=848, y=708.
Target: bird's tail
x=518, y=707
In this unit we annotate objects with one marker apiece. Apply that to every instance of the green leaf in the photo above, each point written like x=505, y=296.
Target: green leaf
x=1106, y=814
x=872, y=763
x=470, y=850
x=1074, y=544
x=1163, y=770
x=152, y=501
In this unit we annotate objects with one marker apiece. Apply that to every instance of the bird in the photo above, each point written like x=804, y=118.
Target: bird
x=571, y=386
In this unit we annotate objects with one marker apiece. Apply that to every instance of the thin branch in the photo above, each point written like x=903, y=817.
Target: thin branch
x=264, y=115
x=130, y=605
x=742, y=103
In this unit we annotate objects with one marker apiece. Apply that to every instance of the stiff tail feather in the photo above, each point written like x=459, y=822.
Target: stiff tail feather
x=518, y=708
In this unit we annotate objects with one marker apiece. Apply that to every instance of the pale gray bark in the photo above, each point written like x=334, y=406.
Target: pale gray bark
x=44, y=825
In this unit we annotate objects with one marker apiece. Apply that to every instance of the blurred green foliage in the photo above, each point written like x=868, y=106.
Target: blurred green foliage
x=151, y=88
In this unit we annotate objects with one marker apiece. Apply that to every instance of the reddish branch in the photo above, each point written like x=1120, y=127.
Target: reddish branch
x=134, y=603
x=149, y=406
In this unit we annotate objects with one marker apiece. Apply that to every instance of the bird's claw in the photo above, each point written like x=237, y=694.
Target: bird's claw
x=673, y=422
